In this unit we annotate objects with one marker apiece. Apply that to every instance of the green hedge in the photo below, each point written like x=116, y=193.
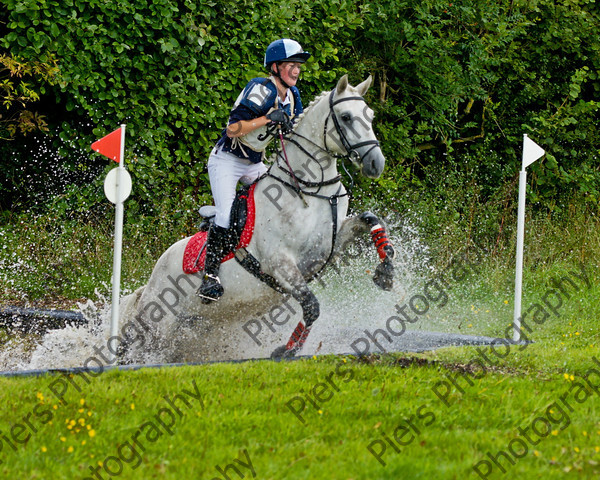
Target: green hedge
x=457, y=85
x=169, y=70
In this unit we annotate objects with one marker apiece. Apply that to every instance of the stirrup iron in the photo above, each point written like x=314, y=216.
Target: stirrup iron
x=211, y=289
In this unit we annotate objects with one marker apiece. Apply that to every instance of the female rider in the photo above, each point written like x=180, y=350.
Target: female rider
x=239, y=153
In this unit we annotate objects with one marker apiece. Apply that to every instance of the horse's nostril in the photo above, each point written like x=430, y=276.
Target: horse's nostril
x=373, y=164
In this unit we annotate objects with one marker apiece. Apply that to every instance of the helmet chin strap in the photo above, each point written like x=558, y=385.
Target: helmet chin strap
x=278, y=75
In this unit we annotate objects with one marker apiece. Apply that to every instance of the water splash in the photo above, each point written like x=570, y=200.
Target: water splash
x=350, y=304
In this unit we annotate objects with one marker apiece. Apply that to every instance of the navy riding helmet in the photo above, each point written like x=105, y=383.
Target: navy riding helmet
x=285, y=50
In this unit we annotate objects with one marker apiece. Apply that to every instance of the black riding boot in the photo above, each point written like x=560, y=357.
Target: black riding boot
x=211, y=288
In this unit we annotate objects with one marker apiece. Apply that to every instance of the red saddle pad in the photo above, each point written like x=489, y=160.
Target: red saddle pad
x=195, y=255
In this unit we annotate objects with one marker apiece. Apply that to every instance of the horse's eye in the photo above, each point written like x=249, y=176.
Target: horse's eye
x=346, y=117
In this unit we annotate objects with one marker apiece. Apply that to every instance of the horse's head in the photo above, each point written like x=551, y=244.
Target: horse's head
x=350, y=131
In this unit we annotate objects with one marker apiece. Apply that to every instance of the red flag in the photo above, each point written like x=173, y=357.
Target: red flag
x=109, y=146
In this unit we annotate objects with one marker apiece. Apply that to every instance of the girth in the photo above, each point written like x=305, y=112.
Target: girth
x=252, y=265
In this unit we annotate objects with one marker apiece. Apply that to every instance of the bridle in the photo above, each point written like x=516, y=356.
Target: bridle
x=351, y=150
x=246, y=259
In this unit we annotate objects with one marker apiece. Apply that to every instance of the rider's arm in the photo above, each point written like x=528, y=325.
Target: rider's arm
x=244, y=127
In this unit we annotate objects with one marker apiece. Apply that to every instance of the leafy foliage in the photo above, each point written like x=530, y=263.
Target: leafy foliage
x=17, y=92
x=457, y=85
x=166, y=70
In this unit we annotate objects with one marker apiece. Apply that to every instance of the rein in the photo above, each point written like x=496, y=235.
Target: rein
x=351, y=149
x=291, y=171
x=245, y=258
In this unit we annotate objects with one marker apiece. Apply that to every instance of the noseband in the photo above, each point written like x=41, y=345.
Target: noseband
x=351, y=150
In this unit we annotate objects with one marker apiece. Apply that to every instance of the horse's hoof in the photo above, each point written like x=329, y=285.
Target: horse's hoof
x=369, y=218
x=384, y=275
x=278, y=353
x=282, y=352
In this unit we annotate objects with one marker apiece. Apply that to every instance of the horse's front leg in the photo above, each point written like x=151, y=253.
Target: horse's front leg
x=290, y=278
x=369, y=222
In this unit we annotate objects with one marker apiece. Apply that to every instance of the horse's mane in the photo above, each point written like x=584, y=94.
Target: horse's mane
x=314, y=101
x=300, y=117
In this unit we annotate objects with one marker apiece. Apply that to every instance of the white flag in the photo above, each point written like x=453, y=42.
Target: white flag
x=531, y=151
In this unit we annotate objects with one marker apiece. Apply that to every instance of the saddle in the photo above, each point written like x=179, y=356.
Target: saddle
x=239, y=235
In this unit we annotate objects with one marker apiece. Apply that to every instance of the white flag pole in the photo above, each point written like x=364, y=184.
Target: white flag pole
x=519, y=268
x=116, y=284
x=531, y=152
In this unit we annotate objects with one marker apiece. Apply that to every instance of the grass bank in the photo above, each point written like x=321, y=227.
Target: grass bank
x=338, y=418
x=530, y=411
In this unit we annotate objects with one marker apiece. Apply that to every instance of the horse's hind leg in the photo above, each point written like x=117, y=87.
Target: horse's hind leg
x=363, y=223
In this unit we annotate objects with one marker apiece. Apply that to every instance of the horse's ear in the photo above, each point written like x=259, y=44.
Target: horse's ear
x=342, y=84
x=364, y=86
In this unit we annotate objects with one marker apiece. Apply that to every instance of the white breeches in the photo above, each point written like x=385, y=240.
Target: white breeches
x=225, y=170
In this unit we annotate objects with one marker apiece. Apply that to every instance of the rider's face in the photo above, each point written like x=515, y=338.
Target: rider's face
x=289, y=71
